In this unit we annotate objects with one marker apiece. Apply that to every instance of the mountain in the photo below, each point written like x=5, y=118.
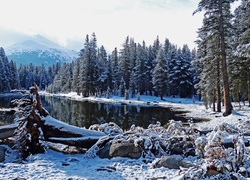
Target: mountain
x=39, y=50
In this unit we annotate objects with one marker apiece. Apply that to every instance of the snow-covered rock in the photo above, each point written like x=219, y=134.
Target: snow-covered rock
x=172, y=162
x=125, y=150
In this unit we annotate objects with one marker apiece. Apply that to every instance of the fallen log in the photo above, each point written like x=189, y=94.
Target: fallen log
x=7, y=131
x=35, y=124
x=60, y=132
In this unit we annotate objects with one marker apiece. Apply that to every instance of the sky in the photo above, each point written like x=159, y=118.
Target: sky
x=67, y=22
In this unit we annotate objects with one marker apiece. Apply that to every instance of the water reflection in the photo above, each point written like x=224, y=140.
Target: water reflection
x=7, y=116
x=84, y=113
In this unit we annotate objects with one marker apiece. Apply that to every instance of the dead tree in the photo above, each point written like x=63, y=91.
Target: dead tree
x=36, y=125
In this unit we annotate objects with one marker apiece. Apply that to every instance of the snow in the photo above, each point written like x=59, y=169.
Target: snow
x=41, y=45
x=61, y=125
x=55, y=165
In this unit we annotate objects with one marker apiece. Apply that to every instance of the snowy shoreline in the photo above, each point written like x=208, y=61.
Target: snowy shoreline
x=55, y=165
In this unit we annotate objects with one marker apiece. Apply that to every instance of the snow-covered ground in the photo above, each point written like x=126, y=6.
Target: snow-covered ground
x=55, y=165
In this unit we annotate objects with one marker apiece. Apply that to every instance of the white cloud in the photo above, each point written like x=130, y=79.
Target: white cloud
x=111, y=20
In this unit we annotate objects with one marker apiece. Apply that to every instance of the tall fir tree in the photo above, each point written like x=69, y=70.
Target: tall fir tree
x=4, y=72
x=218, y=16
x=75, y=82
x=240, y=65
x=124, y=62
x=88, y=74
x=14, y=75
x=140, y=69
x=103, y=70
x=116, y=75
x=186, y=85
x=159, y=74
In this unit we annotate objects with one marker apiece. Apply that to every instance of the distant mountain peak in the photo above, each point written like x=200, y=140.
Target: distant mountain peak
x=36, y=42
x=39, y=50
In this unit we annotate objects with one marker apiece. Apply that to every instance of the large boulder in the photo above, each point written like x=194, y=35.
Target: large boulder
x=121, y=149
x=126, y=149
x=2, y=153
x=172, y=162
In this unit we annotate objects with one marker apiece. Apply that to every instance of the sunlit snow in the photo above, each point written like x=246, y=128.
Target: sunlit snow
x=54, y=165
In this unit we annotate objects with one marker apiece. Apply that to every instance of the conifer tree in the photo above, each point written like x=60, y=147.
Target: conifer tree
x=159, y=74
x=75, y=82
x=186, y=85
x=124, y=62
x=116, y=75
x=172, y=64
x=14, y=76
x=4, y=72
x=240, y=65
x=103, y=70
x=140, y=69
x=217, y=29
x=88, y=73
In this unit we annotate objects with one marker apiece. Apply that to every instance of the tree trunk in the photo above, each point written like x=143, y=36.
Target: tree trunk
x=218, y=87
x=227, y=101
x=214, y=99
x=248, y=87
x=60, y=132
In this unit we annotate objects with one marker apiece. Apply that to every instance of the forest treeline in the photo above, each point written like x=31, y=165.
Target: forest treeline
x=154, y=70
x=218, y=70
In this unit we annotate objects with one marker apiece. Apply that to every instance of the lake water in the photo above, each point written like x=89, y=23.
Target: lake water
x=85, y=113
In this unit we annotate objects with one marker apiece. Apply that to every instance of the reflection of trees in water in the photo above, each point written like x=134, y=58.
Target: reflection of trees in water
x=7, y=117
x=84, y=114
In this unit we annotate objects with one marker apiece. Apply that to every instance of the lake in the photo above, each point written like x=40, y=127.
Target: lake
x=85, y=113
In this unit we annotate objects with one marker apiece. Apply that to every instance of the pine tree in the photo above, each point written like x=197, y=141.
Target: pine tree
x=42, y=77
x=140, y=69
x=159, y=74
x=23, y=72
x=240, y=65
x=116, y=75
x=31, y=76
x=186, y=85
x=88, y=74
x=14, y=76
x=146, y=66
x=103, y=73
x=75, y=82
x=172, y=60
x=4, y=72
x=133, y=56
x=194, y=70
x=93, y=69
x=217, y=29
x=124, y=62
x=150, y=65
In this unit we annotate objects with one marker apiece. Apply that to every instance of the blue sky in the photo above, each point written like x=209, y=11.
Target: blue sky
x=68, y=21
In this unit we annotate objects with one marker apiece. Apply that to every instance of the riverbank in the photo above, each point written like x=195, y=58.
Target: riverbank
x=57, y=166
x=193, y=108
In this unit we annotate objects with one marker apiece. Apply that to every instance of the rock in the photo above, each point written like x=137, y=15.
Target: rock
x=125, y=150
x=104, y=152
x=211, y=172
x=172, y=163
x=121, y=149
x=2, y=153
